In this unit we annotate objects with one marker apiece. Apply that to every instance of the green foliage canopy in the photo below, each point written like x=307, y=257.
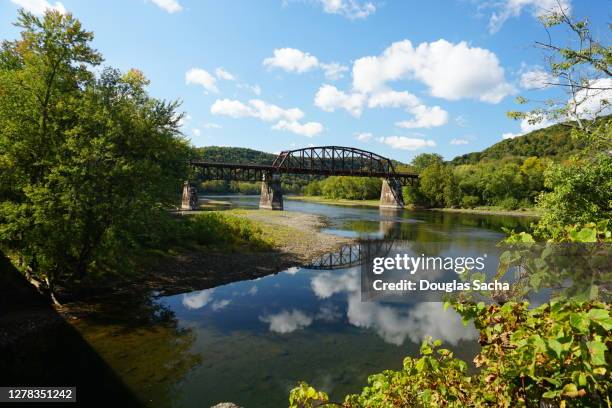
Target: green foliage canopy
x=87, y=162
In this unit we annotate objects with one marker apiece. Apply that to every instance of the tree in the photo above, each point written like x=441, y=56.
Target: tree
x=437, y=183
x=87, y=163
x=582, y=71
x=581, y=193
x=424, y=160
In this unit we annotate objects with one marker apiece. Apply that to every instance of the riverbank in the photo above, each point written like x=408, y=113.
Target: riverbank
x=295, y=238
x=489, y=211
x=334, y=201
x=376, y=203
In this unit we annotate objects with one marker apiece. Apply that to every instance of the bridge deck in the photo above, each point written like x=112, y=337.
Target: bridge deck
x=255, y=172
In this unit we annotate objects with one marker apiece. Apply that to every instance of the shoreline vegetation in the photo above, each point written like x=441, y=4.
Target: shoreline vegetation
x=269, y=242
x=375, y=203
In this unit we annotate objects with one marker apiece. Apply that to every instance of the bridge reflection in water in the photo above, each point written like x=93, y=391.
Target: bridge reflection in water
x=351, y=255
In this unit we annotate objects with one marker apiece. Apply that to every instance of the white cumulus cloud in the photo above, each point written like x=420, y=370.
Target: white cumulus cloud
x=425, y=117
x=286, y=119
x=199, y=76
x=451, y=71
x=459, y=142
x=406, y=143
x=308, y=129
x=39, y=7
x=294, y=60
x=392, y=99
x=170, y=6
x=333, y=70
x=221, y=73
x=364, y=136
x=528, y=125
x=513, y=8
x=535, y=79
x=351, y=9
x=596, y=100
x=255, y=108
x=329, y=98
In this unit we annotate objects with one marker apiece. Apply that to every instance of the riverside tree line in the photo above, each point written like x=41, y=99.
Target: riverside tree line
x=90, y=164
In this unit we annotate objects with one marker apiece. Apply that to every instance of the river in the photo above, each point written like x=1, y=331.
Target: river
x=250, y=342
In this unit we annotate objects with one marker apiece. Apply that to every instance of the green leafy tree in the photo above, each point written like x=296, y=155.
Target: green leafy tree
x=423, y=160
x=438, y=185
x=87, y=163
x=581, y=193
x=581, y=69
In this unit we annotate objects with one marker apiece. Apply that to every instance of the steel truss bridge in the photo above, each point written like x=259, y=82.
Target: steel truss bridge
x=318, y=161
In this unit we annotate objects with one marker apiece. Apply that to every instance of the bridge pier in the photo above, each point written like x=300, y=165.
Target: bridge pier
x=190, y=197
x=271, y=194
x=391, y=194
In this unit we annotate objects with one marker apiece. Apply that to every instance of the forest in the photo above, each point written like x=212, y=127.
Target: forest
x=508, y=175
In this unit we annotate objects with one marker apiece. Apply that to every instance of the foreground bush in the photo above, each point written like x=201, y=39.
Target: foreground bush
x=555, y=355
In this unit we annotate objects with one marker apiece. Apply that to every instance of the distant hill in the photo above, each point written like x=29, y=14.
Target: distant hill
x=554, y=142
x=239, y=155
x=233, y=155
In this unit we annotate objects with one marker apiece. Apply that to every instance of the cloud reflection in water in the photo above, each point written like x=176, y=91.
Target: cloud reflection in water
x=287, y=322
x=393, y=323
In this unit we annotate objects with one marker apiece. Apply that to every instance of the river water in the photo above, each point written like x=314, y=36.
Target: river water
x=250, y=342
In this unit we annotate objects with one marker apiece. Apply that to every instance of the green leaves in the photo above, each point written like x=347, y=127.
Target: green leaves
x=580, y=322
x=601, y=317
x=555, y=353
x=305, y=396
x=584, y=235
x=88, y=161
x=597, y=350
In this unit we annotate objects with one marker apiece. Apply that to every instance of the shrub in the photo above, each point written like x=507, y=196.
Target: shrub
x=509, y=203
x=552, y=355
x=470, y=201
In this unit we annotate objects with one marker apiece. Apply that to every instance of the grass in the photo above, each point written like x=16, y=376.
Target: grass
x=343, y=201
x=274, y=233
x=492, y=210
x=224, y=230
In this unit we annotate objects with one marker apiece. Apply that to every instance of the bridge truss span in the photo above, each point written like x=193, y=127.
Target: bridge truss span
x=316, y=161
x=319, y=161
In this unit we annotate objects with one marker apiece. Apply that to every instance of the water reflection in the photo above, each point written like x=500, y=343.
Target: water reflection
x=287, y=321
x=197, y=300
x=352, y=255
x=251, y=341
x=393, y=323
x=143, y=343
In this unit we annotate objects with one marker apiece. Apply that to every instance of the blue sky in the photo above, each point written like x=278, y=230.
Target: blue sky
x=395, y=77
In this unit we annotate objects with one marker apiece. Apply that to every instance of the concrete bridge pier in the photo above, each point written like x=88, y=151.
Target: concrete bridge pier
x=190, y=197
x=271, y=194
x=391, y=194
